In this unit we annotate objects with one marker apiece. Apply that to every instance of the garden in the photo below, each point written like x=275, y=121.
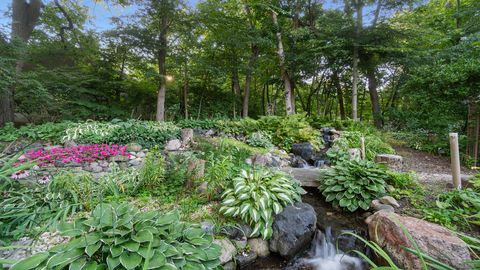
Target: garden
x=225, y=194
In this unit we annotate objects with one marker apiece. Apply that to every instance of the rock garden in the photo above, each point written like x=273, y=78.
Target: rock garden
x=273, y=193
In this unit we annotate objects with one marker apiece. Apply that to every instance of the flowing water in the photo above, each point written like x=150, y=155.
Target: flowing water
x=326, y=257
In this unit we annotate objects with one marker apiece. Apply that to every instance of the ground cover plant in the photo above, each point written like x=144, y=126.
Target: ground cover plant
x=78, y=154
x=257, y=195
x=353, y=184
x=120, y=235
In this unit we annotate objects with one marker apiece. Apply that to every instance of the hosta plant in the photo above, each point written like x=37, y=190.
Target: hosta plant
x=257, y=195
x=121, y=237
x=353, y=184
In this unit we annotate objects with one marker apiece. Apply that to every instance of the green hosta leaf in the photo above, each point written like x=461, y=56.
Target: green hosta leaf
x=193, y=266
x=167, y=219
x=64, y=257
x=257, y=229
x=131, y=246
x=31, y=262
x=267, y=233
x=168, y=266
x=91, y=266
x=130, y=260
x=244, y=196
x=277, y=208
x=244, y=208
x=143, y=236
x=229, y=201
x=78, y=264
x=157, y=260
x=230, y=211
x=284, y=197
x=344, y=202
x=116, y=251
x=113, y=262
x=213, y=252
x=90, y=250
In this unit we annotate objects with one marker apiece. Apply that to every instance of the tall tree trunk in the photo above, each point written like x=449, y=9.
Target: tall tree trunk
x=358, y=27
x=162, y=55
x=336, y=81
x=185, y=90
x=283, y=70
x=236, y=90
x=24, y=18
x=374, y=100
x=250, y=67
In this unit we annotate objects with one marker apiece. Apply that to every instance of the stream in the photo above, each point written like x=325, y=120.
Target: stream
x=322, y=253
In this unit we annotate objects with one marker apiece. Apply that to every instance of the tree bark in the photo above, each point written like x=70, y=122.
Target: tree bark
x=251, y=65
x=374, y=100
x=358, y=7
x=185, y=90
x=341, y=105
x=283, y=70
x=162, y=69
x=24, y=18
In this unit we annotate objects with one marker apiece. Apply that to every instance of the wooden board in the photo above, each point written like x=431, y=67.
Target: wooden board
x=307, y=177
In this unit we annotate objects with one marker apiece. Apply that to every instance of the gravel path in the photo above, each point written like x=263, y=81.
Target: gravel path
x=432, y=170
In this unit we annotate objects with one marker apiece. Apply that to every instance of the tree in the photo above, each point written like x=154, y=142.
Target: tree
x=25, y=16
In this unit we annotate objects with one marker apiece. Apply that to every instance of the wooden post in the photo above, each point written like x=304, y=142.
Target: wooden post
x=455, y=160
x=362, y=145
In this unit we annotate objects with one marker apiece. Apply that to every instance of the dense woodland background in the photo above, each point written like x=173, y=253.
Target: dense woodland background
x=412, y=65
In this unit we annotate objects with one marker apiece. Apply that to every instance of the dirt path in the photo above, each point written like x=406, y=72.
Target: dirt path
x=432, y=170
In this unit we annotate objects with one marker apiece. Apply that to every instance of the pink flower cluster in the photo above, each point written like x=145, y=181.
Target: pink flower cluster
x=79, y=154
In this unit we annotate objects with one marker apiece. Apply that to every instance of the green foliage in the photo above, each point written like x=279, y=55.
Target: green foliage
x=121, y=236
x=30, y=210
x=455, y=208
x=260, y=139
x=146, y=133
x=401, y=180
x=120, y=182
x=353, y=184
x=257, y=195
x=374, y=144
x=46, y=132
x=152, y=174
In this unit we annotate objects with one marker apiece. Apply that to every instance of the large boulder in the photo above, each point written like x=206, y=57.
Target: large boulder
x=305, y=150
x=228, y=250
x=293, y=229
x=434, y=240
x=394, y=162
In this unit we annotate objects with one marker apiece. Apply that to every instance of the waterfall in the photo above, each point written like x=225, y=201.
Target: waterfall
x=326, y=257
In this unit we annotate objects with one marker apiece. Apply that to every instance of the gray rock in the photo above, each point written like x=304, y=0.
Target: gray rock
x=135, y=162
x=259, y=246
x=304, y=150
x=227, y=248
x=261, y=159
x=173, y=145
x=241, y=244
x=394, y=162
x=293, y=229
x=207, y=227
x=354, y=154
x=69, y=144
x=299, y=162
x=230, y=266
x=244, y=259
x=187, y=136
x=140, y=155
x=203, y=188
x=209, y=133
x=119, y=158
x=134, y=147
x=384, y=207
x=389, y=200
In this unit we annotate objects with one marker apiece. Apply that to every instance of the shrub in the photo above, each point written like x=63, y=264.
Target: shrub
x=402, y=180
x=120, y=235
x=457, y=207
x=374, y=144
x=257, y=195
x=146, y=133
x=353, y=184
x=119, y=182
x=260, y=139
x=152, y=173
x=46, y=132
